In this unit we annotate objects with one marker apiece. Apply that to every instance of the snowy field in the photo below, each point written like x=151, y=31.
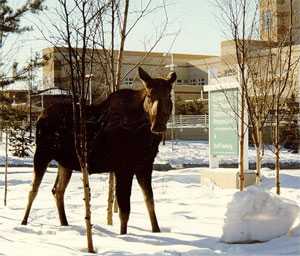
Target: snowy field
x=191, y=217
x=181, y=153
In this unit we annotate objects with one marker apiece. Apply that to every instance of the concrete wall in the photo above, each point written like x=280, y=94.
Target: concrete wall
x=189, y=133
x=280, y=19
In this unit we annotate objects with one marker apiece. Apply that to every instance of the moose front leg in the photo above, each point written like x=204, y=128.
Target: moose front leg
x=61, y=183
x=123, y=192
x=145, y=179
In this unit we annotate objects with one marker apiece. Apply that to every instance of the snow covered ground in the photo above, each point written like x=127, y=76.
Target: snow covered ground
x=181, y=153
x=196, y=152
x=191, y=217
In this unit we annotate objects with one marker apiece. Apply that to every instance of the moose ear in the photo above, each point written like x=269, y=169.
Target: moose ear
x=144, y=75
x=172, y=77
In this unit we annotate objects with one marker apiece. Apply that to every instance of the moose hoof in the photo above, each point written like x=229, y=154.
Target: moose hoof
x=24, y=222
x=156, y=230
x=123, y=231
x=64, y=223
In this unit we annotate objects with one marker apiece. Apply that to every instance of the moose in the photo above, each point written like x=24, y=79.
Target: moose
x=123, y=135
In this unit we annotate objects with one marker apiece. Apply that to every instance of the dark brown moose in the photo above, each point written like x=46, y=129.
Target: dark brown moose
x=124, y=132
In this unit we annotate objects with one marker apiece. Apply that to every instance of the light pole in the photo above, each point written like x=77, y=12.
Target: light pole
x=89, y=77
x=172, y=69
x=30, y=82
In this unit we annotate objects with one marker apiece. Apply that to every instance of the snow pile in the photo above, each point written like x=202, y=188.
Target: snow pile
x=257, y=216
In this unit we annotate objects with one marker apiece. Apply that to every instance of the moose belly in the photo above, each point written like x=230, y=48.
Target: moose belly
x=120, y=149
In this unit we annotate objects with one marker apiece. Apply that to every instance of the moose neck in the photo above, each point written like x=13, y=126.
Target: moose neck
x=146, y=103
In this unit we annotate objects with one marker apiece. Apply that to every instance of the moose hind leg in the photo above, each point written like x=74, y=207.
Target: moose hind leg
x=40, y=166
x=144, y=180
x=61, y=183
x=123, y=192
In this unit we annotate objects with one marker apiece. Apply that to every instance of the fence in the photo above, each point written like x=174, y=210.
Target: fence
x=201, y=121
x=190, y=121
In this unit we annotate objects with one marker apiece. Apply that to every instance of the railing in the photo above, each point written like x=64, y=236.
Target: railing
x=283, y=120
x=191, y=121
x=201, y=121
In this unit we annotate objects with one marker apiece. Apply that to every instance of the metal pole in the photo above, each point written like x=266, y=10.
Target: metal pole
x=90, y=98
x=172, y=69
x=30, y=101
x=90, y=89
x=30, y=83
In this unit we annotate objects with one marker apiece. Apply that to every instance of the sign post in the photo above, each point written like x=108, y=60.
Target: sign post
x=224, y=123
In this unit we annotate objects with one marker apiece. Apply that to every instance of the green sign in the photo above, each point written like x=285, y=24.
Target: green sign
x=223, y=122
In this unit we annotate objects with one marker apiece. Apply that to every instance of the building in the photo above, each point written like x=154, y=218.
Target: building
x=190, y=68
x=193, y=70
x=275, y=16
x=274, y=42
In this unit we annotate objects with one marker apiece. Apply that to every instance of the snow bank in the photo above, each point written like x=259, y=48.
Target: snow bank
x=256, y=215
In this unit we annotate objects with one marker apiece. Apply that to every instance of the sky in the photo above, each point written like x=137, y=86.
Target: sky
x=194, y=22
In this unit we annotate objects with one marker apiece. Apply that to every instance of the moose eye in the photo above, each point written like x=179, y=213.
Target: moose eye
x=152, y=97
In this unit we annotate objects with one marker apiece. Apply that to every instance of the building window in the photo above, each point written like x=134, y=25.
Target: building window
x=179, y=81
x=128, y=81
x=267, y=21
x=201, y=81
x=229, y=72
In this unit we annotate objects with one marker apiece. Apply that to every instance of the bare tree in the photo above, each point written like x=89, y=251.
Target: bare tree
x=117, y=23
x=237, y=15
x=259, y=64
x=284, y=77
x=10, y=23
x=75, y=41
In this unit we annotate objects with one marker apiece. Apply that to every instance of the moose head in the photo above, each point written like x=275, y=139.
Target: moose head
x=158, y=103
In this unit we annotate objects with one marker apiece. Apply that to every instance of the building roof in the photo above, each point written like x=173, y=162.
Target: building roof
x=22, y=86
x=19, y=85
x=141, y=53
x=53, y=91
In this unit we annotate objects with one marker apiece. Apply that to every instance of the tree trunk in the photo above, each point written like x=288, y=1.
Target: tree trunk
x=277, y=154
x=116, y=205
x=242, y=139
x=87, y=199
x=110, y=200
x=277, y=168
x=258, y=148
x=122, y=44
x=242, y=175
x=6, y=168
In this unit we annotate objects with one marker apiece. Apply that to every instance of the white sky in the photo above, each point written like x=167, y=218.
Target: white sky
x=200, y=32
